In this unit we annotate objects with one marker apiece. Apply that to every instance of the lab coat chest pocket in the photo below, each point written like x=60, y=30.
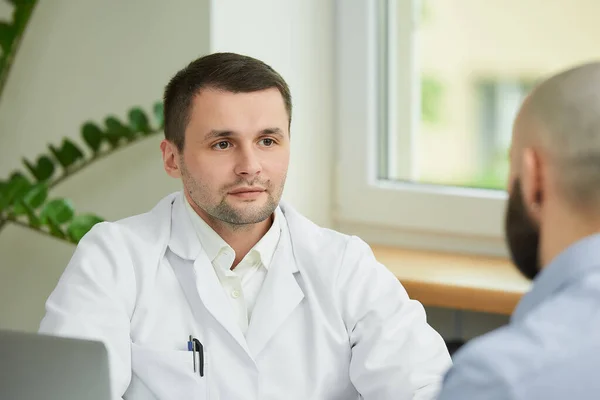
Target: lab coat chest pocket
x=167, y=374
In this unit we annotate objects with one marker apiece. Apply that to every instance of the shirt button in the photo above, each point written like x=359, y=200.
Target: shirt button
x=235, y=294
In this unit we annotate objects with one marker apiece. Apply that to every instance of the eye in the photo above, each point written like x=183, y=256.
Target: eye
x=223, y=145
x=268, y=142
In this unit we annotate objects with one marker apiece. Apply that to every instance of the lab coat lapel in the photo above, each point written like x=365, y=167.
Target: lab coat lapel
x=197, y=277
x=279, y=296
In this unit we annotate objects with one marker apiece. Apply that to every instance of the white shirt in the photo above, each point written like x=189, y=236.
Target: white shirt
x=242, y=284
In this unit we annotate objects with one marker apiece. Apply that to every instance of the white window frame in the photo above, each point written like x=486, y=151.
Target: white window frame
x=391, y=212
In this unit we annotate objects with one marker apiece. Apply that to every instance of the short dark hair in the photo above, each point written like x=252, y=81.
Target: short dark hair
x=224, y=71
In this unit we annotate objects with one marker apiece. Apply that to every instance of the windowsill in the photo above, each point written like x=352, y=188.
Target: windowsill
x=456, y=281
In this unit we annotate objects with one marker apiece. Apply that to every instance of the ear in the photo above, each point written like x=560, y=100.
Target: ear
x=532, y=182
x=170, y=156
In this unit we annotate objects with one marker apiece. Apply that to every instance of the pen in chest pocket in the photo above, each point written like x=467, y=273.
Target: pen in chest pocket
x=195, y=346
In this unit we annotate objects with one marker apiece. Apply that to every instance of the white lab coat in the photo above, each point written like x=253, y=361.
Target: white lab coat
x=329, y=323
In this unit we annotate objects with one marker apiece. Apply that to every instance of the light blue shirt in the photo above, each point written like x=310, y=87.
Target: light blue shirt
x=551, y=347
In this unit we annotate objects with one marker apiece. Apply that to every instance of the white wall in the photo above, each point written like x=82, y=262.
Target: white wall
x=88, y=58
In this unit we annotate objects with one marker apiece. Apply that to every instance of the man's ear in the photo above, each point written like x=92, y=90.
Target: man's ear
x=170, y=156
x=532, y=182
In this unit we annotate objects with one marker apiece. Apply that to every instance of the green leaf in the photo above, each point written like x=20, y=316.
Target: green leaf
x=34, y=220
x=22, y=12
x=92, y=135
x=36, y=196
x=20, y=208
x=68, y=154
x=138, y=121
x=159, y=114
x=81, y=225
x=33, y=199
x=55, y=229
x=58, y=211
x=42, y=170
x=3, y=194
x=7, y=35
x=14, y=190
x=22, y=3
x=115, y=131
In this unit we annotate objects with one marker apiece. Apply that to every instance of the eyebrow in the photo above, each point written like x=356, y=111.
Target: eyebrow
x=272, y=131
x=217, y=134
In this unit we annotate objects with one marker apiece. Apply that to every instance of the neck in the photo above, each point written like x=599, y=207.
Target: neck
x=564, y=228
x=241, y=238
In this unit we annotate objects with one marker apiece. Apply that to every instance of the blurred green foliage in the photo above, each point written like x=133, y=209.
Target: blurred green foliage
x=25, y=195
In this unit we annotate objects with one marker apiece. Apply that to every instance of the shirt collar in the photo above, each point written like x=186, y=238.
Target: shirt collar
x=214, y=245
x=268, y=243
x=572, y=264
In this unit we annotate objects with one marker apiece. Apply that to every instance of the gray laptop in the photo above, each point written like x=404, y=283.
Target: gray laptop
x=34, y=366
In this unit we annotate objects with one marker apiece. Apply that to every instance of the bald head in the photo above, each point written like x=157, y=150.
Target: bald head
x=561, y=117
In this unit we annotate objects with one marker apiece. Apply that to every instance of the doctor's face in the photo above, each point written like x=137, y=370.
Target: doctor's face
x=236, y=153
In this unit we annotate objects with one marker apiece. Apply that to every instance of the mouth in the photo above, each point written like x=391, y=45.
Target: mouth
x=247, y=193
x=247, y=190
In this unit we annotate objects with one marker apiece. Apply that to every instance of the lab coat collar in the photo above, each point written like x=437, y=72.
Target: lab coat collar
x=196, y=275
x=183, y=240
x=279, y=295
x=210, y=240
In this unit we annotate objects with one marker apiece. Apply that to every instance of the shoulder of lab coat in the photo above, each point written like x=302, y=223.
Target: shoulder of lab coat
x=395, y=352
x=96, y=294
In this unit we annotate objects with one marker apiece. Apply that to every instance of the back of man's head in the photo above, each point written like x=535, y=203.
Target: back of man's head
x=554, y=182
x=566, y=109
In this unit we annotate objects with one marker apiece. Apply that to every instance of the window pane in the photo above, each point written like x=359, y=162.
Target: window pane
x=475, y=61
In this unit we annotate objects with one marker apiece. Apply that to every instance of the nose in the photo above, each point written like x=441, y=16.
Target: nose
x=248, y=164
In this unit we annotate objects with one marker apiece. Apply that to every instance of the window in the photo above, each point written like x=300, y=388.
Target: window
x=427, y=94
x=498, y=101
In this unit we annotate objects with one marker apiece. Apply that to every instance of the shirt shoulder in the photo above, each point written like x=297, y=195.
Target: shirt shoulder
x=532, y=355
x=487, y=367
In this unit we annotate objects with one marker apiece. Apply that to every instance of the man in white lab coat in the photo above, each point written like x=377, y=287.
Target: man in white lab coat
x=273, y=306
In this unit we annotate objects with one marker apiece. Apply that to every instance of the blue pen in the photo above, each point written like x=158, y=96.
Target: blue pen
x=192, y=348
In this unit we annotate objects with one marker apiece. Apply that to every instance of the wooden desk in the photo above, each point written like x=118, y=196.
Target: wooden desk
x=461, y=282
